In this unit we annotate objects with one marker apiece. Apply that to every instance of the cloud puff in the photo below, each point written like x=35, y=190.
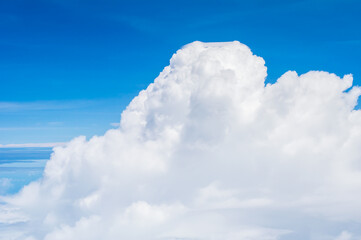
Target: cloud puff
x=208, y=151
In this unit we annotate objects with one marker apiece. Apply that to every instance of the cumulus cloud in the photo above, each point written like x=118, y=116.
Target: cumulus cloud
x=208, y=151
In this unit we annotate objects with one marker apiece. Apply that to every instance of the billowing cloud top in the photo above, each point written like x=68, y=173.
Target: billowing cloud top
x=208, y=151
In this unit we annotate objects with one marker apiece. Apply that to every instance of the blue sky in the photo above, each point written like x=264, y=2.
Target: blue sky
x=69, y=68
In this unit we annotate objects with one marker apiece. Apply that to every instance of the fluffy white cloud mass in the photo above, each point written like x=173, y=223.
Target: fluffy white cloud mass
x=208, y=151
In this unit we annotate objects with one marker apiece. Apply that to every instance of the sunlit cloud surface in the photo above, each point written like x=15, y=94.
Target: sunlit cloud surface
x=208, y=151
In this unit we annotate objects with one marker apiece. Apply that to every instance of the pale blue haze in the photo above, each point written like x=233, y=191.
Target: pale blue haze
x=19, y=166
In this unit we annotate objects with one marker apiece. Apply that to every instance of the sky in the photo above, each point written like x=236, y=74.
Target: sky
x=55, y=53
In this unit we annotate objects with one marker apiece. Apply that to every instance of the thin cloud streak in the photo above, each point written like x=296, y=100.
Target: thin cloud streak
x=33, y=145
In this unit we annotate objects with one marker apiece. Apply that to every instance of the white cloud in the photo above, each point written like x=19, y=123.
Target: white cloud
x=11, y=215
x=209, y=152
x=344, y=236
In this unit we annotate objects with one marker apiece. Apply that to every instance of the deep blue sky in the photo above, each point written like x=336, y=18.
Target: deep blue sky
x=68, y=67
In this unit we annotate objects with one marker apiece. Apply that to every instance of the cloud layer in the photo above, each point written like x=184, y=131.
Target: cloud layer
x=208, y=151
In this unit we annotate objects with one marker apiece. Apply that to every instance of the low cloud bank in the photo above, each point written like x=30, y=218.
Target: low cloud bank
x=208, y=151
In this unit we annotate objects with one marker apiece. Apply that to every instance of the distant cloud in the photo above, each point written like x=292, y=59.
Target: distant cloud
x=208, y=151
x=115, y=124
x=25, y=145
x=5, y=183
